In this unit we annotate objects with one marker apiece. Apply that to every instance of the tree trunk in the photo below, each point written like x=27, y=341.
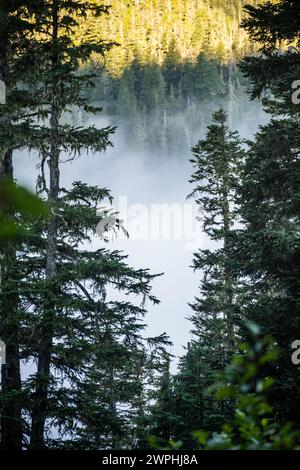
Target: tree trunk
x=39, y=413
x=227, y=274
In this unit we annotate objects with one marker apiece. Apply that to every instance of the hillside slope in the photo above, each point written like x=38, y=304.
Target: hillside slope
x=150, y=29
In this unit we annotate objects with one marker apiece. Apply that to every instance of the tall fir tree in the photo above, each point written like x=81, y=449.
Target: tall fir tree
x=58, y=86
x=101, y=361
x=217, y=160
x=216, y=313
x=15, y=47
x=163, y=413
x=64, y=322
x=267, y=250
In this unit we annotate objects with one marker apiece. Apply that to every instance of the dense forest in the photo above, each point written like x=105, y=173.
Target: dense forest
x=79, y=370
x=172, y=57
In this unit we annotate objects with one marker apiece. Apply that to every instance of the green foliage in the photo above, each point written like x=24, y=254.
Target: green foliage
x=101, y=358
x=254, y=275
x=17, y=200
x=79, y=313
x=176, y=63
x=164, y=30
x=253, y=425
x=260, y=255
x=216, y=312
x=266, y=251
x=76, y=312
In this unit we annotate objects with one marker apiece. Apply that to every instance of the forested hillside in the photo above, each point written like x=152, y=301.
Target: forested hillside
x=174, y=62
x=155, y=30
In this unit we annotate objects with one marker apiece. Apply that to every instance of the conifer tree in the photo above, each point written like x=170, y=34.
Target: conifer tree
x=57, y=297
x=267, y=249
x=164, y=416
x=14, y=119
x=215, y=315
x=101, y=362
x=216, y=161
x=58, y=86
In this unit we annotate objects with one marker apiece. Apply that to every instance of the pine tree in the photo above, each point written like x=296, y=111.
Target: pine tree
x=164, y=415
x=189, y=388
x=268, y=247
x=46, y=285
x=216, y=160
x=101, y=361
x=58, y=86
x=215, y=315
x=207, y=82
x=171, y=68
x=195, y=407
x=14, y=119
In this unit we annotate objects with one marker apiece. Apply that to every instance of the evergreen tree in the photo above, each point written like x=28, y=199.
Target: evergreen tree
x=172, y=69
x=15, y=51
x=100, y=362
x=58, y=86
x=267, y=250
x=153, y=28
x=216, y=162
x=215, y=315
x=172, y=56
x=152, y=93
x=95, y=365
x=207, y=81
x=163, y=414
